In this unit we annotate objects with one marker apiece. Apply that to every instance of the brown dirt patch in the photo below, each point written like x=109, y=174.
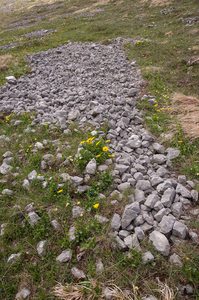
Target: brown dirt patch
x=157, y=2
x=5, y=61
x=188, y=113
x=101, y=2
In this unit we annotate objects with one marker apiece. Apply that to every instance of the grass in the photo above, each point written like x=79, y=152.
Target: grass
x=161, y=59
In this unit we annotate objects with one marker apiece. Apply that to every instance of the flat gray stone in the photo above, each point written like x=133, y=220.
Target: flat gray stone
x=91, y=167
x=32, y=175
x=168, y=197
x=33, y=218
x=127, y=217
x=160, y=214
x=158, y=148
x=166, y=225
x=7, y=192
x=175, y=260
x=121, y=168
x=121, y=245
x=180, y=189
x=101, y=219
x=176, y=209
x=26, y=184
x=160, y=242
x=5, y=168
x=194, y=195
x=124, y=186
x=139, y=196
x=172, y=153
x=71, y=234
x=65, y=256
x=76, y=180
x=77, y=211
x=155, y=180
x=143, y=185
x=23, y=294
x=159, y=159
x=40, y=248
x=55, y=224
x=147, y=257
x=116, y=222
x=151, y=200
x=179, y=230
x=13, y=257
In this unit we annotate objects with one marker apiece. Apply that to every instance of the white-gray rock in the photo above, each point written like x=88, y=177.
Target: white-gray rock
x=33, y=218
x=116, y=222
x=143, y=185
x=39, y=146
x=172, y=153
x=99, y=265
x=26, y=184
x=180, y=189
x=79, y=274
x=91, y=167
x=11, y=79
x=194, y=195
x=179, y=230
x=166, y=225
x=128, y=216
x=159, y=159
x=23, y=294
x=7, y=192
x=101, y=219
x=29, y=207
x=124, y=186
x=168, y=197
x=64, y=256
x=7, y=154
x=40, y=248
x=55, y=224
x=32, y=175
x=77, y=211
x=13, y=257
x=175, y=260
x=159, y=148
x=160, y=242
x=76, y=180
x=147, y=257
x=5, y=168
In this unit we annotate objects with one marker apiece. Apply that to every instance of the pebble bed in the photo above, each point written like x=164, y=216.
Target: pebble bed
x=94, y=83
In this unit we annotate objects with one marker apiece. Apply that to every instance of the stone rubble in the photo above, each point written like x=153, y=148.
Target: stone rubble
x=92, y=83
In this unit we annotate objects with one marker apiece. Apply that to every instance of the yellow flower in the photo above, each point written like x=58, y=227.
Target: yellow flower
x=67, y=204
x=158, y=110
x=136, y=287
x=105, y=149
x=107, y=141
x=78, y=203
x=81, y=215
x=59, y=191
x=96, y=205
x=82, y=142
x=98, y=143
x=98, y=155
x=156, y=105
x=69, y=120
x=35, y=139
x=197, y=174
x=169, y=107
x=162, y=108
x=111, y=155
x=187, y=258
x=147, y=68
x=30, y=146
x=179, y=141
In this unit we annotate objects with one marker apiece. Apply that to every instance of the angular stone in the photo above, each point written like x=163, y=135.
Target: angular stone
x=162, y=171
x=158, y=206
x=33, y=218
x=160, y=242
x=143, y=185
x=123, y=234
x=176, y=209
x=182, y=179
x=139, y=233
x=147, y=257
x=158, y=148
x=180, y=189
x=11, y=79
x=32, y=175
x=47, y=157
x=151, y=200
x=155, y=180
x=7, y=192
x=124, y=186
x=77, y=211
x=194, y=195
x=29, y=207
x=163, y=186
x=159, y=159
x=168, y=197
x=134, y=144
x=179, y=230
x=39, y=146
x=55, y=224
x=121, y=168
x=172, y=153
x=160, y=214
x=65, y=256
x=193, y=236
x=91, y=167
x=5, y=168
x=127, y=217
x=23, y=294
x=139, y=196
x=116, y=222
x=26, y=184
x=166, y=225
x=121, y=244
x=13, y=257
x=101, y=219
x=147, y=218
x=175, y=260
x=146, y=227
x=76, y=180
x=99, y=265
x=149, y=298
x=71, y=234
x=40, y=248
x=138, y=220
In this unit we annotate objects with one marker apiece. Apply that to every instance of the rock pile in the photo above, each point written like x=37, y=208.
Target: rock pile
x=92, y=83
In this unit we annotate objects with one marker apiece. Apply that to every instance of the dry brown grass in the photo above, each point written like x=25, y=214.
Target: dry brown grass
x=188, y=113
x=5, y=61
x=166, y=292
x=101, y=2
x=157, y=2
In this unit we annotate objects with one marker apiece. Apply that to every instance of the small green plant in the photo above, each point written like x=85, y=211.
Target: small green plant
x=191, y=271
x=92, y=149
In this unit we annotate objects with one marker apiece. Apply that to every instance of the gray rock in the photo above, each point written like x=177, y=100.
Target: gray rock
x=55, y=224
x=139, y=233
x=138, y=220
x=160, y=214
x=158, y=148
x=121, y=168
x=166, y=225
x=73, y=114
x=23, y=294
x=5, y=168
x=194, y=237
x=159, y=159
x=26, y=184
x=180, y=189
x=29, y=207
x=143, y=185
x=123, y=234
x=47, y=157
x=14, y=257
x=124, y=186
x=40, y=248
x=76, y=180
x=77, y=211
x=101, y=219
x=33, y=218
x=91, y=167
x=7, y=154
x=149, y=298
x=99, y=265
x=176, y=209
x=32, y=175
x=127, y=217
x=162, y=171
x=71, y=234
x=172, y=153
x=134, y=144
x=65, y=256
x=160, y=242
x=194, y=195
x=147, y=257
x=182, y=179
x=151, y=200
x=11, y=80
x=7, y=192
x=109, y=294
x=175, y=260
x=116, y=222
x=168, y=197
x=158, y=206
x=155, y=180
x=121, y=244
x=179, y=230
x=139, y=196
x=163, y=186
x=39, y=146
x=2, y=228
x=132, y=242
